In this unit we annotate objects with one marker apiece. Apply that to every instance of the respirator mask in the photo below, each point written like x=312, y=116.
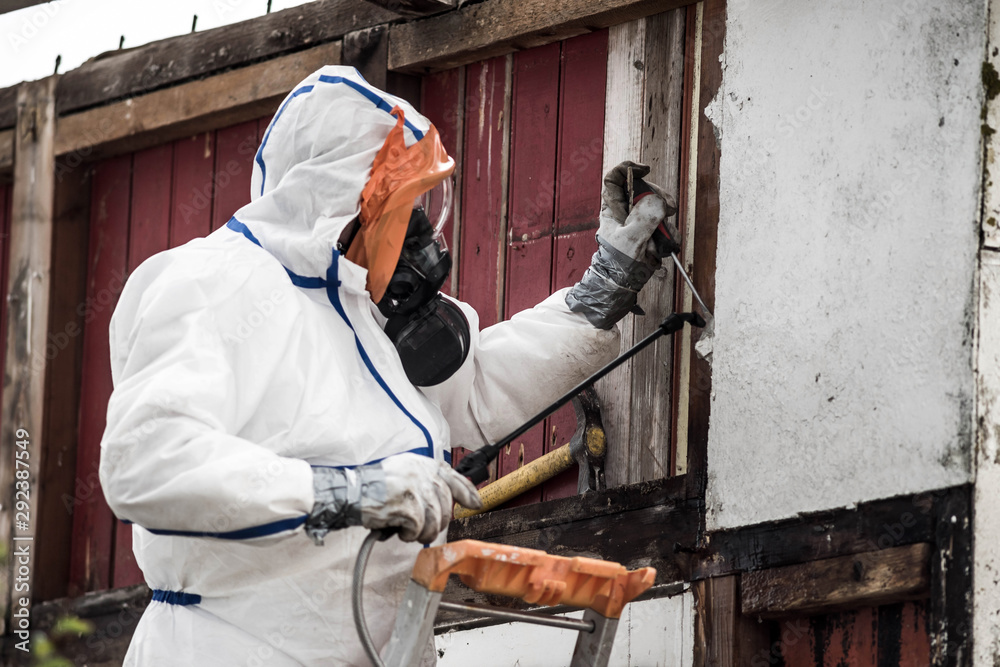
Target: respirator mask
x=430, y=333
x=403, y=210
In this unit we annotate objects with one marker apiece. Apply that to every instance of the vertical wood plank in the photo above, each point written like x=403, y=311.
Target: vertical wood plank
x=534, y=117
x=443, y=96
x=847, y=638
x=950, y=610
x=93, y=523
x=723, y=636
x=578, y=197
x=62, y=392
x=685, y=226
x=702, y=270
x=192, y=189
x=442, y=102
x=235, y=149
x=623, y=119
x=483, y=188
x=149, y=226
x=651, y=405
x=485, y=153
x=25, y=362
x=149, y=221
x=914, y=638
x=798, y=651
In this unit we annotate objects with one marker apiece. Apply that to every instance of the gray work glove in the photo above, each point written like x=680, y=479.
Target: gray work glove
x=411, y=492
x=626, y=256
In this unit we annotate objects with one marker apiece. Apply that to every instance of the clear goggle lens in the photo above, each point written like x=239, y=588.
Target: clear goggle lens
x=436, y=203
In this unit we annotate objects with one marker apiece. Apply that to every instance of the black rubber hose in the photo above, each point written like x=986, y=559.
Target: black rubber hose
x=359, y=613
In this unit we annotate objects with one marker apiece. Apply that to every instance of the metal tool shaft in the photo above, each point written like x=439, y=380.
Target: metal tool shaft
x=474, y=465
x=523, y=616
x=680, y=269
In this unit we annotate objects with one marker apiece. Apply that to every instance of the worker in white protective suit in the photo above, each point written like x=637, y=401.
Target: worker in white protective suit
x=263, y=420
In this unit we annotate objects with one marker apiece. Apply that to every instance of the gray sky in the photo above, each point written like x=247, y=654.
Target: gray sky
x=31, y=38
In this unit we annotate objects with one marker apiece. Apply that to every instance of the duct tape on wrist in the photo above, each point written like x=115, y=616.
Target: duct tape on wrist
x=610, y=287
x=340, y=496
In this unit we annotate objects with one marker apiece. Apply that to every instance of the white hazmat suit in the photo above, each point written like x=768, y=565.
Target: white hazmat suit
x=245, y=358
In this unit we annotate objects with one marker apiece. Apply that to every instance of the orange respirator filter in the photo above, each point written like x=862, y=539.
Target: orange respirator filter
x=399, y=176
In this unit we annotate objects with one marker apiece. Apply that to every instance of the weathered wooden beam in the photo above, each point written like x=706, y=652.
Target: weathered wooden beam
x=705, y=237
x=880, y=524
x=181, y=111
x=863, y=580
x=118, y=75
x=539, y=516
x=64, y=349
x=25, y=361
x=367, y=51
x=496, y=27
x=416, y=7
x=637, y=525
x=14, y=5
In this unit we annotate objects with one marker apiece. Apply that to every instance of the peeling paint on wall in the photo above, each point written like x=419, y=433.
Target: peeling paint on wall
x=848, y=231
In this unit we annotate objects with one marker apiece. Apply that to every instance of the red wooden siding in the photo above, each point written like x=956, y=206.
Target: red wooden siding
x=234, y=151
x=93, y=523
x=149, y=227
x=442, y=106
x=888, y=636
x=482, y=188
x=577, y=196
x=191, y=215
x=531, y=205
x=441, y=99
x=141, y=205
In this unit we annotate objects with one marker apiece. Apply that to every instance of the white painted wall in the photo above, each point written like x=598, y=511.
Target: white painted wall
x=651, y=633
x=845, y=286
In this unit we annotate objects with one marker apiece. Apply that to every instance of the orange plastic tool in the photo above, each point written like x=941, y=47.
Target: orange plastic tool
x=533, y=576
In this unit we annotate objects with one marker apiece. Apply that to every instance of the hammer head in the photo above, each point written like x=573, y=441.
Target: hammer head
x=588, y=445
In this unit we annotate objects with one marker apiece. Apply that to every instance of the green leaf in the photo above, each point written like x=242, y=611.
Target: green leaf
x=42, y=647
x=71, y=625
